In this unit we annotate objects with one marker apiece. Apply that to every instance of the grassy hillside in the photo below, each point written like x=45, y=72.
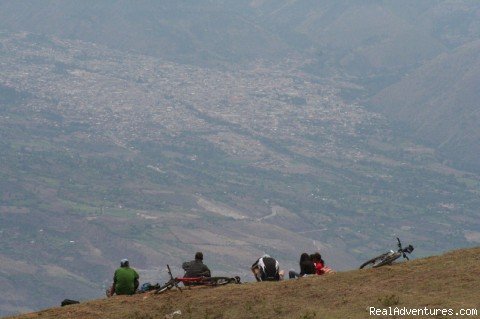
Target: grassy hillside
x=449, y=281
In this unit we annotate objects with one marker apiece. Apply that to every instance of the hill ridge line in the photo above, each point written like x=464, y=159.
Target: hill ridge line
x=448, y=281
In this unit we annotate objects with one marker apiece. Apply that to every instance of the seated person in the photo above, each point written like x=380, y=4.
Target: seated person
x=307, y=267
x=196, y=267
x=320, y=267
x=125, y=280
x=266, y=268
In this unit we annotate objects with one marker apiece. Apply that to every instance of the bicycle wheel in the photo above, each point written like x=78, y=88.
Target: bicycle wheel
x=164, y=288
x=388, y=260
x=374, y=261
x=220, y=281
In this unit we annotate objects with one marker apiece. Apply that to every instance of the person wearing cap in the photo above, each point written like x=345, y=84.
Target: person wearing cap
x=196, y=267
x=125, y=280
x=267, y=268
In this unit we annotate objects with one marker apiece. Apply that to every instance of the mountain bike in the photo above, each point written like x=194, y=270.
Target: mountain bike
x=193, y=281
x=389, y=257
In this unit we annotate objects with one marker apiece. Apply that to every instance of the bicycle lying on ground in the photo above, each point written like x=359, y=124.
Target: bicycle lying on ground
x=389, y=257
x=195, y=281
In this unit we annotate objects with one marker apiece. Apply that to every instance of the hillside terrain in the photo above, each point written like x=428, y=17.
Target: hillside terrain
x=154, y=129
x=197, y=32
x=107, y=155
x=447, y=90
x=366, y=38
x=372, y=44
x=447, y=282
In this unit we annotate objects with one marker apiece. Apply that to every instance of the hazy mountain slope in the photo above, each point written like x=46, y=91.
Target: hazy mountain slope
x=363, y=37
x=192, y=31
x=359, y=37
x=107, y=155
x=439, y=103
x=447, y=282
x=374, y=38
x=377, y=42
x=454, y=23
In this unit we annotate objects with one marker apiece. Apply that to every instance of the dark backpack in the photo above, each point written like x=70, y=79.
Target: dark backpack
x=148, y=287
x=67, y=302
x=270, y=272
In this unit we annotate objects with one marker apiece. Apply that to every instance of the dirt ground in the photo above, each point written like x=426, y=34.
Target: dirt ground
x=450, y=281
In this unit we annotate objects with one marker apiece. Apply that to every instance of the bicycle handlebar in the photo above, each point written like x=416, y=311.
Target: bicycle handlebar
x=408, y=249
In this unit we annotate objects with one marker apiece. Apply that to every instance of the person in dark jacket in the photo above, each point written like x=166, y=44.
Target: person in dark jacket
x=196, y=268
x=307, y=267
x=267, y=268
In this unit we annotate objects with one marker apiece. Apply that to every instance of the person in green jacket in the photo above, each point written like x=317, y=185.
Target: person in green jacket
x=125, y=280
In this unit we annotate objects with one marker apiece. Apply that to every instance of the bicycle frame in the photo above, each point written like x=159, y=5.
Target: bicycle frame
x=187, y=281
x=193, y=280
x=389, y=257
x=173, y=281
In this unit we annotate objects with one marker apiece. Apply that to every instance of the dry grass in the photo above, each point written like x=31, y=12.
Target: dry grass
x=448, y=281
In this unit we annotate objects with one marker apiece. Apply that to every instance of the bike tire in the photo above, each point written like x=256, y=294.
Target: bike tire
x=374, y=261
x=388, y=260
x=220, y=281
x=164, y=288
